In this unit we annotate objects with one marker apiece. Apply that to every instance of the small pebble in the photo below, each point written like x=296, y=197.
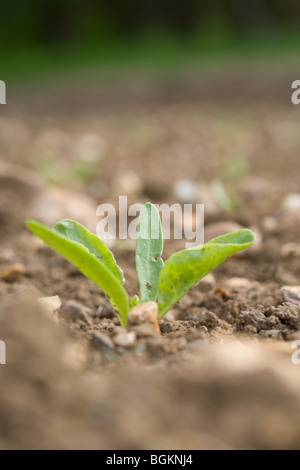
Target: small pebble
x=76, y=311
x=103, y=311
x=50, y=306
x=207, y=283
x=101, y=341
x=170, y=316
x=7, y=255
x=239, y=282
x=275, y=334
x=186, y=191
x=125, y=339
x=118, y=330
x=55, y=204
x=185, y=302
x=291, y=203
x=145, y=330
x=145, y=313
x=127, y=182
x=269, y=223
x=13, y=274
x=291, y=294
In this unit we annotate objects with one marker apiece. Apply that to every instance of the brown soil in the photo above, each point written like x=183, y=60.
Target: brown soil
x=220, y=375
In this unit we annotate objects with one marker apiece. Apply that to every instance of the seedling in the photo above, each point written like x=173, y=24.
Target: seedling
x=165, y=283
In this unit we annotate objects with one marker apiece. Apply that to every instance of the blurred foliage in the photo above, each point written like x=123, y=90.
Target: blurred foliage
x=58, y=172
x=38, y=34
x=73, y=21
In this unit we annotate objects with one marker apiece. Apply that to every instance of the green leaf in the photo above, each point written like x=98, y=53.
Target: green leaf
x=134, y=302
x=90, y=255
x=149, y=247
x=184, y=269
x=76, y=232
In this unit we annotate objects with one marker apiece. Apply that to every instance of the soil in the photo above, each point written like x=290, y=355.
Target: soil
x=220, y=375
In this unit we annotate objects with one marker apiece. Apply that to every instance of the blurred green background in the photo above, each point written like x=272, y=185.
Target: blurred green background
x=42, y=37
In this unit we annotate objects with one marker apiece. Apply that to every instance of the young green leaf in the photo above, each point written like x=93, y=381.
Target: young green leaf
x=78, y=233
x=90, y=255
x=184, y=269
x=134, y=301
x=149, y=247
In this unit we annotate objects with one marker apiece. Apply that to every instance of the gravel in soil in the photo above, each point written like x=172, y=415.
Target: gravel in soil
x=220, y=374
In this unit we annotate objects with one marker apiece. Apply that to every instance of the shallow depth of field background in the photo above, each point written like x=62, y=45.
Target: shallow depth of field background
x=47, y=38
x=168, y=101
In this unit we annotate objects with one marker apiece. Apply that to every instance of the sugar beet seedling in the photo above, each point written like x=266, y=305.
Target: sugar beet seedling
x=165, y=283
